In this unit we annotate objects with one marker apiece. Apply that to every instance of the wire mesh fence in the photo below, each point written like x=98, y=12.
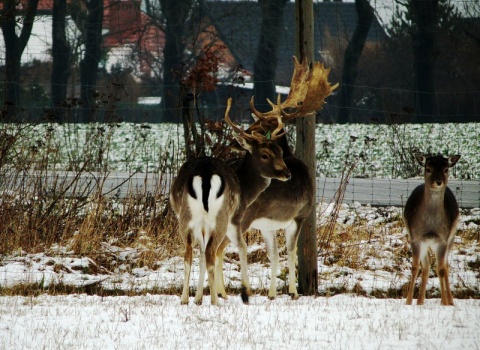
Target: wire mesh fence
x=135, y=72
x=86, y=205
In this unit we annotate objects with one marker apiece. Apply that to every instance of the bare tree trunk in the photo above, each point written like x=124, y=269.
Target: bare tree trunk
x=351, y=57
x=425, y=53
x=14, y=46
x=61, y=58
x=89, y=63
x=194, y=143
x=176, y=14
x=305, y=150
x=265, y=64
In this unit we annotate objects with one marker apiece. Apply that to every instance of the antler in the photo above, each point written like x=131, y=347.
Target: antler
x=308, y=89
x=257, y=133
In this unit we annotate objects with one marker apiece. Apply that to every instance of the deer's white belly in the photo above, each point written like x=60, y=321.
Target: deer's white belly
x=269, y=224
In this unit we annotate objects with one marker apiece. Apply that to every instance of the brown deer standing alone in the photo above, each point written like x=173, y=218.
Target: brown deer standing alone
x=209, y=199
x=431, y=216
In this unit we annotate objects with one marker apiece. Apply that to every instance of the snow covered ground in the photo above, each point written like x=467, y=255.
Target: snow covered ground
x=160, y=322
x=332, y=321
x=370, y=254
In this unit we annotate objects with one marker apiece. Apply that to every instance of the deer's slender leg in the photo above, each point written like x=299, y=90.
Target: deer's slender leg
x=270, y=238
x=425, y=272
x=292, y=232
x=443, y=272
x=415, y=269
x=188, y=266
x=201, y=275
x=447, y=292
x=236, y=237
x=242, y=250
x=219, y=277
x=210, y=262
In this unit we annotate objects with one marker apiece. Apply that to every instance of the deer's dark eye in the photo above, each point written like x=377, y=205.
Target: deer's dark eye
x=428, y=170
x=264, y=156
x=446, y=171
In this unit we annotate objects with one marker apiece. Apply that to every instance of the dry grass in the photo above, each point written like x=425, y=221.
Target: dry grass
x=39, y=209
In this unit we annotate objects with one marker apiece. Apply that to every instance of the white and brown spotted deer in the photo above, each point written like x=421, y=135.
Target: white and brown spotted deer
x=431, y=216
x=205, y=196
x=285, y=205
x=209, y=199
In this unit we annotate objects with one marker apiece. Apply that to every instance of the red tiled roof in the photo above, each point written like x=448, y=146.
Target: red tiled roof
x=128, y=25
x=43, y=5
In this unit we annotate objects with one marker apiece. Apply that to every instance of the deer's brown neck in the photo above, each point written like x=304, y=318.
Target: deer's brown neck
x=251, y=182
x=283, y=143
x=434, y=198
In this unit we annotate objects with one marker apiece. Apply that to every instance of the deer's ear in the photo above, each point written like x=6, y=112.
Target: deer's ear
x=421, y=159
x=452, y=160
x=243, y=142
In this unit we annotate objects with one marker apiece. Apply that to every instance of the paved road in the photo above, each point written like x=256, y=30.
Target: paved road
x=384, y=192
x=378, y=192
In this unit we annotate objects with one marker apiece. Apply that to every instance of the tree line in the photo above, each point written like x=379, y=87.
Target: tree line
x=428, y=54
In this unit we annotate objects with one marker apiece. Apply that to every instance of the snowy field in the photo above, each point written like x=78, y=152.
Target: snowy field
x=378, y=150
x=160, y=322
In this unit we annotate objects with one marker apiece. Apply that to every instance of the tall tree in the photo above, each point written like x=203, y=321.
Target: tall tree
x=472, y=9
x=425, y=53
x=14, y=47
x=265, y=64
x=60, y=58
x=365, y=16
x=89, y=63
x=176, y=14
x=425, y=22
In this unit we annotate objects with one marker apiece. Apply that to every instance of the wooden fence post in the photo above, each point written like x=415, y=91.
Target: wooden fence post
x=305, y=150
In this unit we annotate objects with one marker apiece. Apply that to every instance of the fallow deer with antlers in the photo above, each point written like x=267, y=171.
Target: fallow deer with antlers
x=210, y=199
x=285, y=205
x=431, y=216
